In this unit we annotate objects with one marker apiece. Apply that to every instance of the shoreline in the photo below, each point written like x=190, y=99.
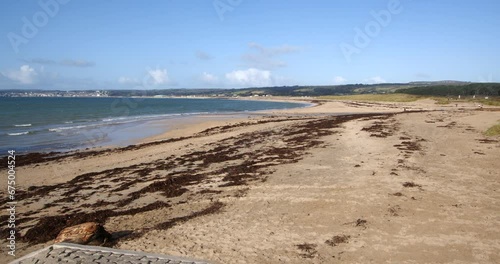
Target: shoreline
x=123, y=134
x=186, y=122
x=299, y=176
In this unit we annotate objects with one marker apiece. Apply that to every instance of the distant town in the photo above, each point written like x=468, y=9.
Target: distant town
x=18, y=93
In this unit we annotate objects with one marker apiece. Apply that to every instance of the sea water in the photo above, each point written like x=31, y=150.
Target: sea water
x=38, y=124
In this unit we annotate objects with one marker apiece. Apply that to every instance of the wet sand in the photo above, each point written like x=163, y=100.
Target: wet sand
x=376, y=184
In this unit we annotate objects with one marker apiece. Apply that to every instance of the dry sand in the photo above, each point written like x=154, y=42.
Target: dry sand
x=294, y=186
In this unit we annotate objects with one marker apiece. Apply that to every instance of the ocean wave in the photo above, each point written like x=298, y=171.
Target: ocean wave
x=18, y=133
x=60, y=129
x=140, y=117
x=23, y=125
x=113, y=121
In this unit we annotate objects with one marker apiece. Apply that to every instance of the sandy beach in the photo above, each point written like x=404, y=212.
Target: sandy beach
x=339, y=182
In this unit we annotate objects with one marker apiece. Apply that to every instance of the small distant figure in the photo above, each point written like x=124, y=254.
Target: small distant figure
x=404, y=109
x=456, y=105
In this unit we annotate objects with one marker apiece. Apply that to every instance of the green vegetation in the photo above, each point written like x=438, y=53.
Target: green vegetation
x=400, y=97
x=479, y=89
x=396, y=97
x=442, y=92
x=414, y=90
x=441, y=100
x=347, y=89
x=493, y=100
x=493, y=131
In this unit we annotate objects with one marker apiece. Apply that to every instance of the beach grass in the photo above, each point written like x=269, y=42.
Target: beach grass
x=493, y=131
x=493, y=101
x=441, y=100
x=394, y=97
x=404, y=98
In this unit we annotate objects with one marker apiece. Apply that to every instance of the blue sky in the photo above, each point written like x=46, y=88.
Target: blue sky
x=107, y=44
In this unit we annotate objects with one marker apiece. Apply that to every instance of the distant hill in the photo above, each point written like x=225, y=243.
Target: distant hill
x=274, y=91
x=440, y=88
x=445, y=82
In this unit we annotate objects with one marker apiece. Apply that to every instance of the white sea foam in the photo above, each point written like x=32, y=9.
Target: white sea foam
x=23, y=125
x=59, y=129
x=112, y=119
x=119, y=120
x=18, y=134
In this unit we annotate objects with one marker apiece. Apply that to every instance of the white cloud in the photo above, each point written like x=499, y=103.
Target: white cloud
x=42, y=78
x=25, y=75
x=203, y=55
x=67, y=62
x=376, y=79
x=273, y=51
x=42, y=61
x=127, y=80
x=266, y=57
x=263, y=62
x=159, y=76
x=339, y=80
x=77, y=63
x=250, y=77
x=209, y=78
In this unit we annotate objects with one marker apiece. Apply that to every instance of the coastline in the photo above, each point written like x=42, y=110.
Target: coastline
x=99, y=131
x=277, y=186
